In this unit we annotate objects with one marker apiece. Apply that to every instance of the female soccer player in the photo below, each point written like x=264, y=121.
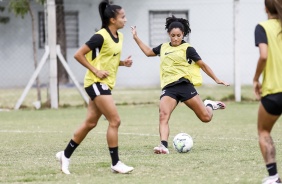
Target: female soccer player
x=99, y=81
x=179, y=72
x=268, y=38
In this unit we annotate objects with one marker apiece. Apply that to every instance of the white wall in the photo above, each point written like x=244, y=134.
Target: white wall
x=211, y=22
x=212, y=35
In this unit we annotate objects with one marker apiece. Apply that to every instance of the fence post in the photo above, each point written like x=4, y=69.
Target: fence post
x=51, y=18
x=236, y=59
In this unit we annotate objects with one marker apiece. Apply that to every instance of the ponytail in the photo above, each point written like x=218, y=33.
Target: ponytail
x=278, y=7
x=107, y=12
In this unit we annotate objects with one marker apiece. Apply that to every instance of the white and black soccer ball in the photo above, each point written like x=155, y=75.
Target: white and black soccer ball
x=182, y=142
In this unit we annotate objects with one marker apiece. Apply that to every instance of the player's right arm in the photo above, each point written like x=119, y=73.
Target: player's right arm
x=262, y=43
x=146, y=49
x=80, y=57
x=263, y=50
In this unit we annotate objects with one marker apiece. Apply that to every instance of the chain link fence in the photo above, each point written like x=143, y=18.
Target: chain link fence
x=211, y=21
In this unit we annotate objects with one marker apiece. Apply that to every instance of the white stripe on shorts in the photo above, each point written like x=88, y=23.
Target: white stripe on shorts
x=97, y=92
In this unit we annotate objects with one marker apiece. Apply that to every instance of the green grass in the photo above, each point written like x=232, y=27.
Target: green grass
x=225, y=150
x=69, y=97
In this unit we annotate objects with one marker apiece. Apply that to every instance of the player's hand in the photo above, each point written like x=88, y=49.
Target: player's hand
x=257, y=89
x=133, y=31
x=222, y=82
x=102, y=74
x=128, y=61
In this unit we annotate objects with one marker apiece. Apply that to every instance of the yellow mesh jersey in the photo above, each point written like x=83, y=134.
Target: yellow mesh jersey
x=174, y=65
x=272, y=74
x=108, y=59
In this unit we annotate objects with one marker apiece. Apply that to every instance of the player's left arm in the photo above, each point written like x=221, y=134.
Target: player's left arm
x=210, y=73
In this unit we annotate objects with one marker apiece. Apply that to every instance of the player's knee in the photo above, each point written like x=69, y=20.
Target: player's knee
x=205, y=118
x=163, y=115
x=115, y=122
x=91, y=124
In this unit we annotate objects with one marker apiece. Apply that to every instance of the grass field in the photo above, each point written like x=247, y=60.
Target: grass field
x=69, y=96
x=225, y=150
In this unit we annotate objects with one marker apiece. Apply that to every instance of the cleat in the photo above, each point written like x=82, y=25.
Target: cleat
x=271, y=179
x=161, y=149
x=215, y=104
x=63, y=161
x=121, y=168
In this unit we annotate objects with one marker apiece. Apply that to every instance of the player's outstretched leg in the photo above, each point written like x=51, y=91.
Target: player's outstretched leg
x=63, y=161
x=214, y=104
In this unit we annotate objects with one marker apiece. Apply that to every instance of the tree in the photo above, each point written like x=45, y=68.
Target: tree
x=22, y=7
x=63, y=77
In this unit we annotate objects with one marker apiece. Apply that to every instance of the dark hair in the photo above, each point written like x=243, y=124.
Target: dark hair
x=275, y=8
x=107, y=11
x=278, y=6
x=182, y=24
x=269, y=4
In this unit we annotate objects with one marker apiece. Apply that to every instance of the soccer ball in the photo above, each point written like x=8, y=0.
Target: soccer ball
x=182, y=143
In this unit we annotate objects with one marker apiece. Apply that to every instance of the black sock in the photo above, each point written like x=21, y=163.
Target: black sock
x=164, y=143
x=114, y=155
x=70, y=148
x=272, y=169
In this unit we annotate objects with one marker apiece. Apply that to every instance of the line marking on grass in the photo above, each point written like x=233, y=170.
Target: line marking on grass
x=120, y=133
x=24, y=131
x=135, y=134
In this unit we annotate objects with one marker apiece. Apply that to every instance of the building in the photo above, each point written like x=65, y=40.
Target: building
x=211, y=21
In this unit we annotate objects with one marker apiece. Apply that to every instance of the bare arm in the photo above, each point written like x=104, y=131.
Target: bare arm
x=146, y=49
x=260, y=67
x=210, y=73
x=80, y=57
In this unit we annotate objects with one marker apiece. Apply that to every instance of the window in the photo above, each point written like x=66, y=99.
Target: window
x=158, y=33
x=71, y=20
x=71, y=25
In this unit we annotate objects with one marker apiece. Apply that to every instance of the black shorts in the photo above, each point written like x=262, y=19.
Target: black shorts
x=97, y=89
x=180, y=92
x=273, y=103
